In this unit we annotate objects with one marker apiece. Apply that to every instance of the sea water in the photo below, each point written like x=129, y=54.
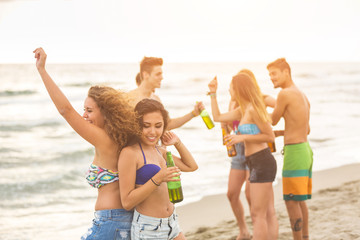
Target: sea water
x=43, y=192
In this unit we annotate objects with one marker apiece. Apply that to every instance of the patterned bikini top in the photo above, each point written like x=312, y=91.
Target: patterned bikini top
x=98, y=176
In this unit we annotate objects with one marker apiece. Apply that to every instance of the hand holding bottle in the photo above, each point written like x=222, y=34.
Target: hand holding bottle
x=231, y=150
x=233, y=139
x=167, y=174
x=199, y=106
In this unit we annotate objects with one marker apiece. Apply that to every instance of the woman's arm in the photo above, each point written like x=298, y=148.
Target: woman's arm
x=186, y=162
x=219, y=117
x=129, y=194
x=89, y=132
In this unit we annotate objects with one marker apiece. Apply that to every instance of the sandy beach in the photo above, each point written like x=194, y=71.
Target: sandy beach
x=334, y=210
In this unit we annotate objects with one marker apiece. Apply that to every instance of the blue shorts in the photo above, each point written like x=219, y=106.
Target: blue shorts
x=239, y=161
x=145, y=227
x=110, y=224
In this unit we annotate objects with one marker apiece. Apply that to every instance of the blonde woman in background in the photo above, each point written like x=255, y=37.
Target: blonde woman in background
x=255, y=131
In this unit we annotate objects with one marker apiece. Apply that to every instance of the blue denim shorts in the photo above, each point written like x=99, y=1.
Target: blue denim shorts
x=110, y=224
x=145, y=227
x=239, y=161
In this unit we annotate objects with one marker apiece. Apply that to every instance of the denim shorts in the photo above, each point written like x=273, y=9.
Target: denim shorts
x=239, y=161
x=110, y=224
x=262, y=166
x=145, y=227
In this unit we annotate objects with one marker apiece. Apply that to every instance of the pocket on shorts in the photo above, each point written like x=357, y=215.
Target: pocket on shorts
x=149, y=227
x=151, y=231
x=93, y=231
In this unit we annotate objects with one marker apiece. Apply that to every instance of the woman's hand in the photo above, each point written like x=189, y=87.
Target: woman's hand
x=167, y=174
x=170, y=138
x=213, y=85
x=40, y=56
x=233, y=139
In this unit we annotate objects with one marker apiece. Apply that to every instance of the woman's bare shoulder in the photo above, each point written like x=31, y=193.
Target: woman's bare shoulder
x=130, y=150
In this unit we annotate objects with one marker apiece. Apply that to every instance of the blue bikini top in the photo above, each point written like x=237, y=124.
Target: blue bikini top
x=249, y=128
x=147, y=171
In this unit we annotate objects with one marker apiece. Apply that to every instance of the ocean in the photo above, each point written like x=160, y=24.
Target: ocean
x=43, y=192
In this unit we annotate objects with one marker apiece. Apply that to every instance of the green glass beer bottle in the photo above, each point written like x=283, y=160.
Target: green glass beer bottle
x=206, y=118
x=174, y=188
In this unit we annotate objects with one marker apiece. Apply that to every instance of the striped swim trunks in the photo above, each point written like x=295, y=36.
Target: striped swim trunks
x=297, y=172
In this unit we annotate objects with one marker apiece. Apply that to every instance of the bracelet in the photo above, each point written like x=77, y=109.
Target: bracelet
x=157, y=184
x=211, y=94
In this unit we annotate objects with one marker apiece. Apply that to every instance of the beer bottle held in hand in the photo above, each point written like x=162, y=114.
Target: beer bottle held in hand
x=174, y=188
x=206, y=118
x=230, y=149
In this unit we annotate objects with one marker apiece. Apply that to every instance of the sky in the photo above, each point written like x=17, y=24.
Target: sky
x=83, y=31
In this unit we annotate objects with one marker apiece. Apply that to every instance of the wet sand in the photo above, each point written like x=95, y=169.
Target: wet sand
x=334, y=210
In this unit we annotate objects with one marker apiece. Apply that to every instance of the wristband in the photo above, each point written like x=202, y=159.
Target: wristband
x=157, y=184
x=211, y=94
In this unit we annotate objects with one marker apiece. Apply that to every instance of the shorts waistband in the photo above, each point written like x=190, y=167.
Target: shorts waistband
x=110, y=213
x=259, y=153
x=296, y=144
x=138, y=216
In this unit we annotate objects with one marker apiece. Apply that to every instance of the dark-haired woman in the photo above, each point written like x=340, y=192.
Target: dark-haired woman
x=143, y=175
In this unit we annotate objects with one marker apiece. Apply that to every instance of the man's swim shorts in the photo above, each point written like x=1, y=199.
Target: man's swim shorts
x=297, y=172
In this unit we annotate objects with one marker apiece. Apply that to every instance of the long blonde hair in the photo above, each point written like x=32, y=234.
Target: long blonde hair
x=247, y=91
x=251, y=75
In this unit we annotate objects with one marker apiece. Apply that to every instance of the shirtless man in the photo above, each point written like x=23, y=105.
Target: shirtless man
x=151, y=75
x=294, y=107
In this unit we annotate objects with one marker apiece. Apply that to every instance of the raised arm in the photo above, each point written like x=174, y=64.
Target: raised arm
x=89, y=132
x=186, y=162
x=217, y=115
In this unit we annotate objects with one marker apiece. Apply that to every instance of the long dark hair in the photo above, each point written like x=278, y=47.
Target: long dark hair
x=146, y=106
